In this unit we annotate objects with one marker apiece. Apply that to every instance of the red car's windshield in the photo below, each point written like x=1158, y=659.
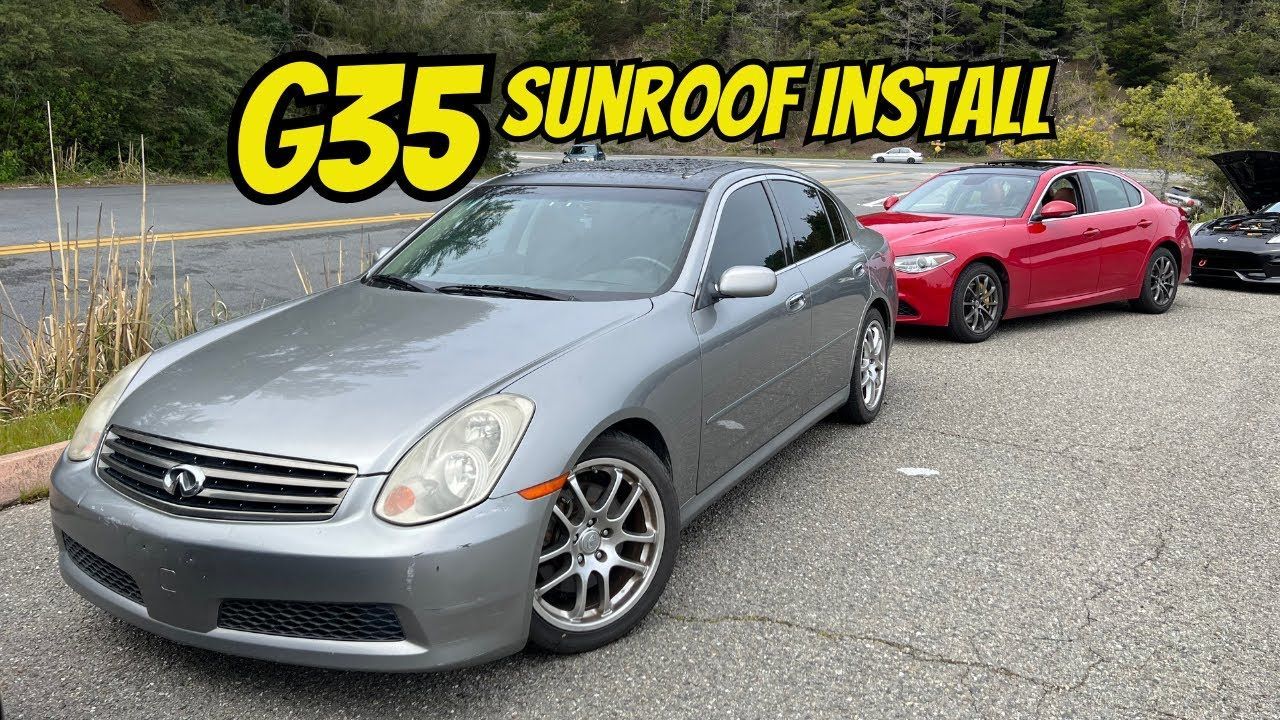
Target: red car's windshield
x=993, y=194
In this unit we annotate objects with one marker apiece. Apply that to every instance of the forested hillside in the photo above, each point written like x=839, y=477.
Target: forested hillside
x=170, y=69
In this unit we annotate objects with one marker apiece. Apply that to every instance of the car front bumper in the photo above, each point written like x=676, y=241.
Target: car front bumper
x=925, y=298
x=1261, y=267
x=460, y=588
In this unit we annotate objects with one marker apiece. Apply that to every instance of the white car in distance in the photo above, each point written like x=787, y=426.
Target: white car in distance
x=899, y=154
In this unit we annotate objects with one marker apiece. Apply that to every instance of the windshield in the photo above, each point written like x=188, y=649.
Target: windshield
x=971, y=193
x=595, y=243
x=582, y=149
x=1273, y=209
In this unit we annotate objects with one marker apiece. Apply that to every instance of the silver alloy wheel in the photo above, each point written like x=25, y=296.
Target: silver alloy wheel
x=1163, y=279
x=981, y=304
x=871, y=365
x=601, y=547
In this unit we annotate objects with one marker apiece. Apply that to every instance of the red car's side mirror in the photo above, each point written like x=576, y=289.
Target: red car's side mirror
x=890, y=201
x=1056, y=209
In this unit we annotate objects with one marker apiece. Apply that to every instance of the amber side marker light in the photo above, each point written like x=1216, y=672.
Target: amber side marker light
x=544, y=488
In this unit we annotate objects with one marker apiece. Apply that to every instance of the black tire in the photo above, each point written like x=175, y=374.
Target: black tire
x=959, y=327
x=1159, y=284
x=856, y=409
x=911, y=161
x=879, y=159
x=549, y=637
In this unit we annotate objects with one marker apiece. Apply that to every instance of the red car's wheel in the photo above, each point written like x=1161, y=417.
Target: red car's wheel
x=1160, y=284
x=977, y=304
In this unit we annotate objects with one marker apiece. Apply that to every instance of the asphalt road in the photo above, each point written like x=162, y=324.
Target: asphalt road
x=250, y=255
x=1076, y=519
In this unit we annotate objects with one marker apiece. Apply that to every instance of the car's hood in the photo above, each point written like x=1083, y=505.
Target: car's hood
x=356, y=374
x=908, y=232
x=1255, y=175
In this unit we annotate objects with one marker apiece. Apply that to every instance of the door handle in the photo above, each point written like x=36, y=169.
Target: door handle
x=1144, y=223
x=1091, y=232
x=796, y=302
x=855, y=273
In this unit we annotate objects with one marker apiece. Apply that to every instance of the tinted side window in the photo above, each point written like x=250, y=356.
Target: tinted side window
x=837, y=219
x=1111, y=192
x=1135, y=195
x=801, y=208
x=747, y=234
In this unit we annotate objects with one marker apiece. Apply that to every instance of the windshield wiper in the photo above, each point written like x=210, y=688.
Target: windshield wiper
x=398, y=283
x=503, y=291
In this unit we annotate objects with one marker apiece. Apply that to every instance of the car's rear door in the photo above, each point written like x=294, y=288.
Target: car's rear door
x=752, y=348
x=1060, y=254
x=1124, y=229
x=836, y=273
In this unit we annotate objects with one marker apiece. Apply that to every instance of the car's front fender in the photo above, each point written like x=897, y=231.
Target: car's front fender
x=646, y=370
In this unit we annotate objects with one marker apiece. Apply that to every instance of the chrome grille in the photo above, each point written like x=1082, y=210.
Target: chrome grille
x=237, y=485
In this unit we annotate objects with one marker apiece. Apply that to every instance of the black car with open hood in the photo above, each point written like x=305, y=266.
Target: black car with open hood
x=1243, y=248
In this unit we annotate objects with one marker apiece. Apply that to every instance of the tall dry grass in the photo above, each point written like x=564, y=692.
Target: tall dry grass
x=338, y=271
x=99, y=313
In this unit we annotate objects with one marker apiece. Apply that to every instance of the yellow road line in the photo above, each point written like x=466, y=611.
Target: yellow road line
x=859, y=177
x=44, y=247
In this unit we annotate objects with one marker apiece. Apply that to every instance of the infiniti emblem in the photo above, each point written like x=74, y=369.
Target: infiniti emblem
x=184, y=481
x=589, y=542
x=1224, y=241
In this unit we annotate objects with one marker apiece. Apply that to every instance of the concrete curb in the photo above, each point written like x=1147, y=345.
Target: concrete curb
x=27, y=471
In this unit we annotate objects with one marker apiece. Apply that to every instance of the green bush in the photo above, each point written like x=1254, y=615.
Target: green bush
x=109, y=81
x=10, y=166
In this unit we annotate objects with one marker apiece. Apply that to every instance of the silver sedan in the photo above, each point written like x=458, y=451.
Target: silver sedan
x=493, y=437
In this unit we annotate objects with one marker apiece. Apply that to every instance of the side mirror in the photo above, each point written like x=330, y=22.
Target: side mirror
x=890, y=201
x=746, y=281
x=381, y=252
x=1055, y=209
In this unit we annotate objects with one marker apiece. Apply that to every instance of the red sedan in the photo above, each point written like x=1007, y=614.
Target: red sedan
x=979, y=244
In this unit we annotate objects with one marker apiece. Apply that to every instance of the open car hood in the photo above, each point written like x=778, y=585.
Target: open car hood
x=1254, y=174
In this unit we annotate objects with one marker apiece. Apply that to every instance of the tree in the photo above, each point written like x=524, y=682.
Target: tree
x=842, y=30
x=1136, y=39
x=1087, y=138
x=1182, y=122
x=1005, y=33
x=109, y=81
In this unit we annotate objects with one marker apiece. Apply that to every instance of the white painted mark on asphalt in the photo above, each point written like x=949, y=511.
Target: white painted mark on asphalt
x=877, y=203
x=918, y=472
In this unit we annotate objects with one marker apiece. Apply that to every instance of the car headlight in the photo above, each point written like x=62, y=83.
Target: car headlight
x=94, y=421
x=456, y=465
x=921, y=263
x=1274, y=241
x=1196, y=228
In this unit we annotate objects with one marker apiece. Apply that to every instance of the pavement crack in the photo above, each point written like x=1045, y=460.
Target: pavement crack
x=1233, y=309
x=995, y=441
x=914, y=652
x=1152, y=557
x=1076, y=453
